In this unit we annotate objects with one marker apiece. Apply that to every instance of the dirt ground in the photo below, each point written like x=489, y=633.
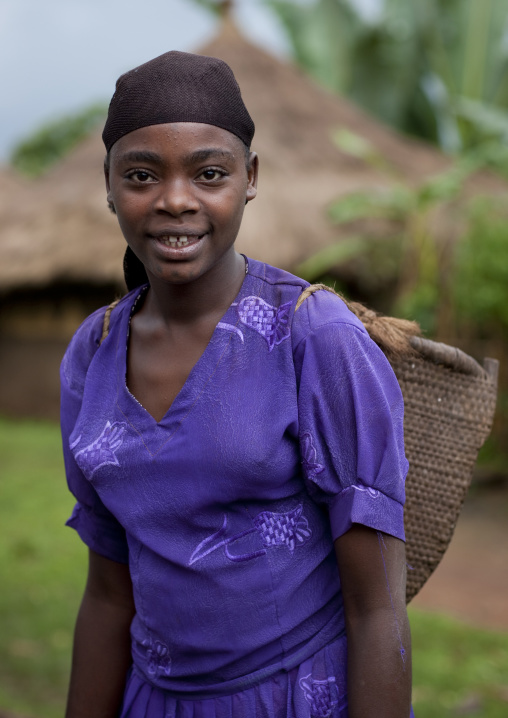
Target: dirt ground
x=471, y=582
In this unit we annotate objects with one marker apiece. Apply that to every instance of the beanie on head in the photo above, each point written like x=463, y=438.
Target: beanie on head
x=178, y=87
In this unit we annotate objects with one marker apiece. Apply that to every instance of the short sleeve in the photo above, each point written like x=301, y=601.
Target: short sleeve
x=350, y=419
x=96, y=526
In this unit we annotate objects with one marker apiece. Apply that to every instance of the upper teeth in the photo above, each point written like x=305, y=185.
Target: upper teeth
x=175, y=241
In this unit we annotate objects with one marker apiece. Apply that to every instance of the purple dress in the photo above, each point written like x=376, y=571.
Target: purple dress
x=287, y=430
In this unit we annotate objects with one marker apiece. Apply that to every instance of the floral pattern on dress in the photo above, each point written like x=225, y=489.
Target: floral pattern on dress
x=101, y=451
x=310, y=463
x=285, y=529
x=272, y=323
x=289, y=529
x=321, y=695
x=158, y=658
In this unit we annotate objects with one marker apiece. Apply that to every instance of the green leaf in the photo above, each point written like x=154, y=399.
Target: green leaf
x=322, y=34
x=488, y=119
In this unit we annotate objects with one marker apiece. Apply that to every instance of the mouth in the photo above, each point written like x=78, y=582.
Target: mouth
x=177, y=247
x=181, y=241
x=178, y=241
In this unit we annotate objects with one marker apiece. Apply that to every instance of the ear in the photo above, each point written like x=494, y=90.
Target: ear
x=252, y=174
x=106, y=177
x=109, y=198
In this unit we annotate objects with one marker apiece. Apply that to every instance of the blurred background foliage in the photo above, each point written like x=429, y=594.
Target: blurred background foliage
x=436, y=69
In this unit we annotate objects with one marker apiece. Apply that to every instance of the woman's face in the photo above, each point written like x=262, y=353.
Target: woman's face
x=179, y=191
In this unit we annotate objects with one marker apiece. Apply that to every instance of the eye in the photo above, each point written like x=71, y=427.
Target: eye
x=140, y=176
x=212, y=174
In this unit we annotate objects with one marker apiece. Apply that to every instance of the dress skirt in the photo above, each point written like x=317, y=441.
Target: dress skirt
x=314, y=689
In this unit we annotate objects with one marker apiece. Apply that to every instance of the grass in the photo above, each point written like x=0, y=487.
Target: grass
x=458, y=670
x=42, y=570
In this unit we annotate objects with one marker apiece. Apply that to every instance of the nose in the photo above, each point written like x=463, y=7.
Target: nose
x=176, y=197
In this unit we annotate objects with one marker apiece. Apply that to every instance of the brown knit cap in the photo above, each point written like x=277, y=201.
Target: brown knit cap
x=178, y=87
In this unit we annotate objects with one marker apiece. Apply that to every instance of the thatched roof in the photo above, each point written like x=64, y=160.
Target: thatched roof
x=10, y=185
x=64, y=230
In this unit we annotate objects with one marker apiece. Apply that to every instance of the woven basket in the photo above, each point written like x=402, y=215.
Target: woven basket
x=449, y=403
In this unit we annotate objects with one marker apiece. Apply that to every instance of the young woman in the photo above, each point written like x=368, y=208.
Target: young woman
x=238, y=466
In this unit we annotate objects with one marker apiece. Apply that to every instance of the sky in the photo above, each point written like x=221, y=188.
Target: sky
x=58, y=56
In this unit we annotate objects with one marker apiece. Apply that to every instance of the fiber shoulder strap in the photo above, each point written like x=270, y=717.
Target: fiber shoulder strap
x=107, y=319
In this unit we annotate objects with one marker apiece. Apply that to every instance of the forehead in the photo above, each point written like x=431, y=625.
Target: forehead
x=179, y=139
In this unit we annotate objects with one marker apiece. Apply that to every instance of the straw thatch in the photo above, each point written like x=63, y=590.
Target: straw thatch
x=60, y=229
x=11, y=187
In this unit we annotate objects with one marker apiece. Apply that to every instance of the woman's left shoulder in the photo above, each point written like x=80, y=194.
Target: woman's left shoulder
x=276, y=285
x=322, y=306
x=319, y=310
x=322, y=313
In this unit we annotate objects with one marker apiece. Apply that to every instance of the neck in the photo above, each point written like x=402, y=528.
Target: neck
x=208, y=295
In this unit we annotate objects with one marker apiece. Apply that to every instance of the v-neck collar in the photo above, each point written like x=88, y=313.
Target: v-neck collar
x=155, y=434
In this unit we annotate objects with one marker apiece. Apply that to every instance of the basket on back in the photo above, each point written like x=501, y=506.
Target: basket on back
x=449, y=402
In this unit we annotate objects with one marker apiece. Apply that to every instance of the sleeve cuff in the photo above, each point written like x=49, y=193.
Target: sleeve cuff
x=362, y=505
x=103, y=538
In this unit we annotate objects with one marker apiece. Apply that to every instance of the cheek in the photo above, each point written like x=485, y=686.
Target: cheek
x=130, y=212
x=229, y=209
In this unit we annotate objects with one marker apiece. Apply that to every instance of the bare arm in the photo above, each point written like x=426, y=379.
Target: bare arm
x=373, y=576
x=101, y=655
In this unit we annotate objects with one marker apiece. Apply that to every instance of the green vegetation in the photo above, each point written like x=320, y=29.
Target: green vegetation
x=480, y=289
x=436, y=69
x=42, y=570
x=421, y=257
x=42, y=573
x=37, y=153
x=457, y=670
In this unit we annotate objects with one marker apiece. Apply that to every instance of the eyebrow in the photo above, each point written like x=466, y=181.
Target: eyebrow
x=141, y=156
x=195, y=157
x=205, y=154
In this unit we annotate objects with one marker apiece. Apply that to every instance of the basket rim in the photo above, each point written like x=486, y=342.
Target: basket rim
x=454, y=358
